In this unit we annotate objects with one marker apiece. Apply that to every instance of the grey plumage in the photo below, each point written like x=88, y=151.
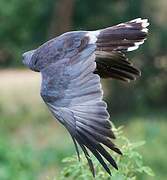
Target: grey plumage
x=71, y=66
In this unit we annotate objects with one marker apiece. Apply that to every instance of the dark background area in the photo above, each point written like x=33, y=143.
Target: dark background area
x=25, y=122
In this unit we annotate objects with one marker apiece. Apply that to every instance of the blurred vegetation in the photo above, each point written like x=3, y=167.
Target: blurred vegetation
x=31, y=145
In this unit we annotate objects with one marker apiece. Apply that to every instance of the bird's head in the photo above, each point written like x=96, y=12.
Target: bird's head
x=30, y=61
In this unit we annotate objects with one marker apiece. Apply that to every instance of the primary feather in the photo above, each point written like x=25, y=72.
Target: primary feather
x=71, y=66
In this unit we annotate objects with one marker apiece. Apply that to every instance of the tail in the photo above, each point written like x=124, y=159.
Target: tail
x=113, y=42
x=123, y=37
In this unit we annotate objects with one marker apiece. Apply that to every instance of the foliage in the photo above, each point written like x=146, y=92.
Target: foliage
x=23, y=161
x=18, y=28
x=130, y=164
x=12, y=167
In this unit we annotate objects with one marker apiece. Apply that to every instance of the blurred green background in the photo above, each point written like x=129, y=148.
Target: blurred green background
x=32, y=144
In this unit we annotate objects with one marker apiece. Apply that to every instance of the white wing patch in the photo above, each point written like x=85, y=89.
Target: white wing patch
x=93, y=36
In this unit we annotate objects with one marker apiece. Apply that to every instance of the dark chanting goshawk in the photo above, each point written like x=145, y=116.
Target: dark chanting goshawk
x=71, y=66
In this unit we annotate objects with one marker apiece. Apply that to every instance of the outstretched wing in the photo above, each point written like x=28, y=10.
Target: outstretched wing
x=73, y=94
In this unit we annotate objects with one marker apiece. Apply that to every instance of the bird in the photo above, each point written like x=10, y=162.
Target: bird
x=71, y=66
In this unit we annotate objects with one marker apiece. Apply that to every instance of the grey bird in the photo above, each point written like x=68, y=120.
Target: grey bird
x=71, y=66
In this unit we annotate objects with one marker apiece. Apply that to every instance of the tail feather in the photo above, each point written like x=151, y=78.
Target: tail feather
x=111, y=44
x=123, y=36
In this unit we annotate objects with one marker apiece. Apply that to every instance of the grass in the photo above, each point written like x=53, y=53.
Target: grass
x=32, y=144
